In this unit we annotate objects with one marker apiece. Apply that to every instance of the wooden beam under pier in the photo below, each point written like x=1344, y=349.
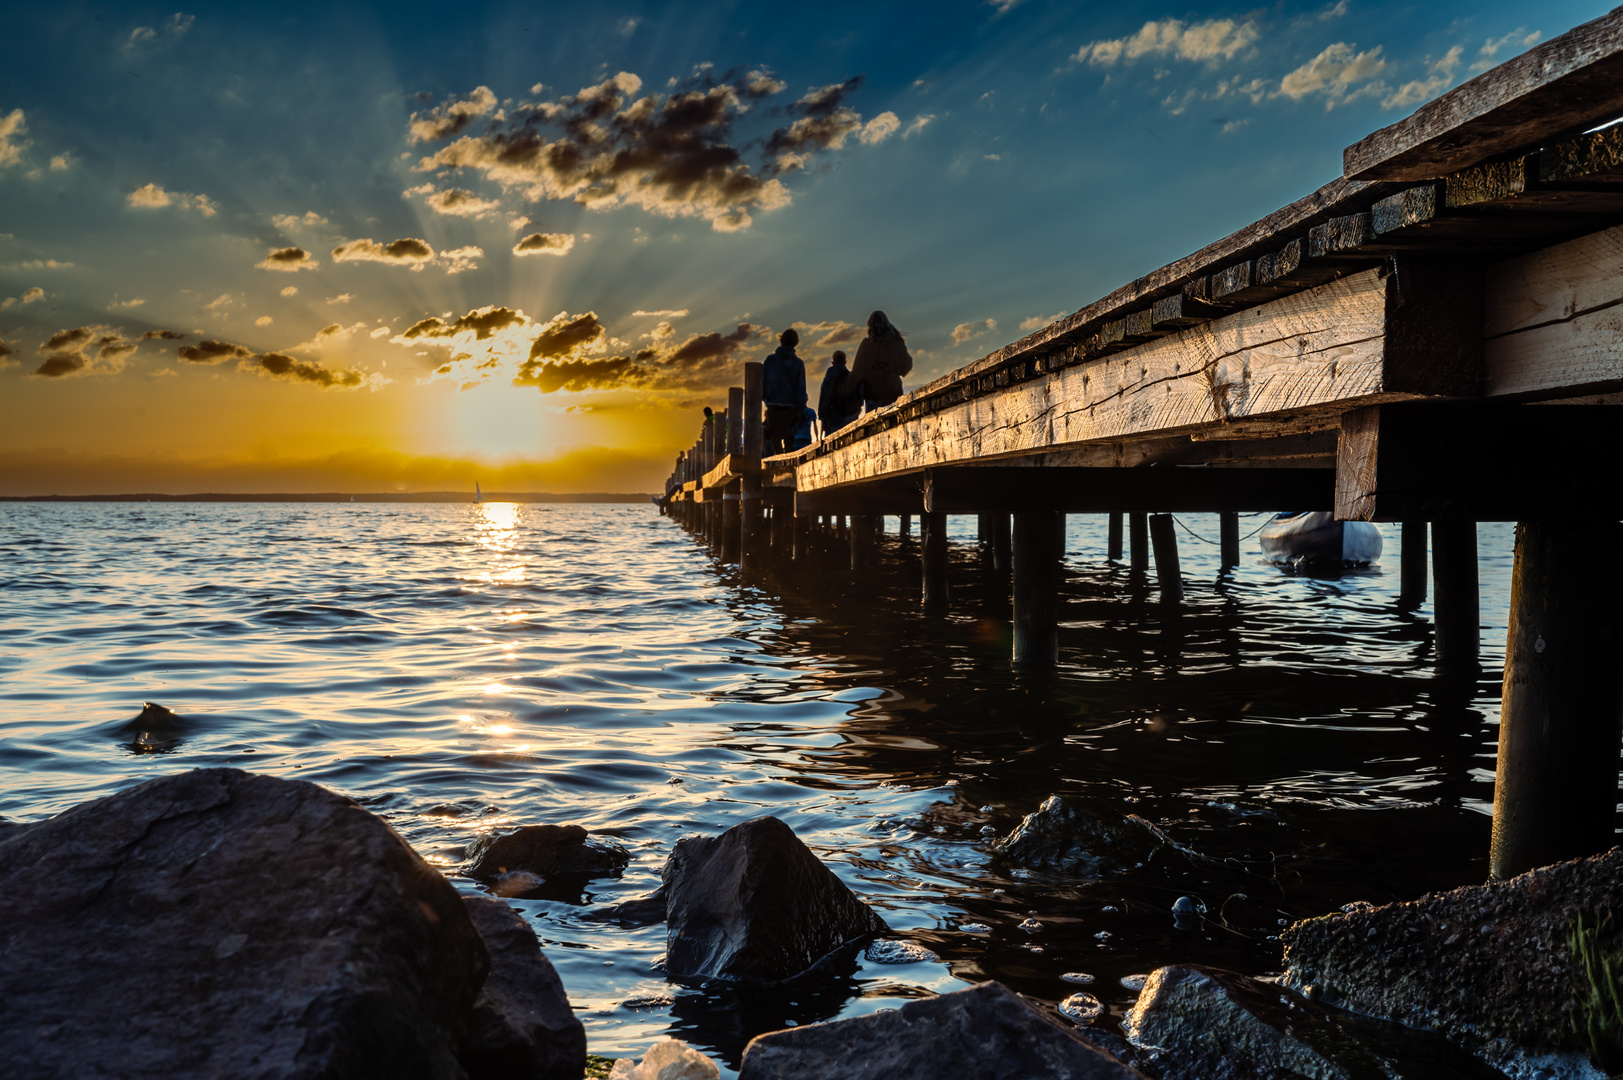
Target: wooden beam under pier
x=987, y=489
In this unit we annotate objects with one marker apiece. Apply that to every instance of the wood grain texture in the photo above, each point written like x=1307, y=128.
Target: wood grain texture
x=1548, y=93
x=1554, y=319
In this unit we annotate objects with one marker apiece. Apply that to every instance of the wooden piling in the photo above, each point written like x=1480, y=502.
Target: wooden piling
x=862, y=533
x=1002, y=555
x=802, y=527
x=1412, y=570
x=1561, y=721
x=933, y=556
x=904, y=527
x=751, y=442
x=1113, y=542
x=1456, y=611
x=1059, y=533
x=1138, y=537
x=1163, y=533
x=1228, y=539
x=1036, y=566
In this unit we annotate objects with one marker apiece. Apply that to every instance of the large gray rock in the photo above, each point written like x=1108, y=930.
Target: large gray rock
x=522, y=1025
x=1488, y=964
x=216, y=923
x=1228, y=1024
x=986, y=1031
x=544, y=850
x=1079, y=835
x=754, y=904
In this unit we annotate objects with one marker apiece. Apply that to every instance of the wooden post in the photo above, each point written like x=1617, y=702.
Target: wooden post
x=1001, y=541
x=1138, y=537
x=1228, y=538
x=1163, y=534
x=933, y=556
x=1060, y=530
x=802, y=527
x=904, y=527
x=861, y=541
x=1456, y=612
x=751, y=444
x=983, y=535
x=1035, y=543
x=1113, y=550
x=1561, y=722
x=1412, y=576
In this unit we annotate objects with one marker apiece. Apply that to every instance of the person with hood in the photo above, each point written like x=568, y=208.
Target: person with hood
x=783, y=392
x=836, y=406
x=882, y=360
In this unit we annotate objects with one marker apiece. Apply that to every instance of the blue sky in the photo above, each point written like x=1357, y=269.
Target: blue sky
x=537, y=237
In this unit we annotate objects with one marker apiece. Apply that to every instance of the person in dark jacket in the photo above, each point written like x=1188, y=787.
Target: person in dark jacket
x=882, y=360
x=836, y=406
x=783, y=392
x=803, y=430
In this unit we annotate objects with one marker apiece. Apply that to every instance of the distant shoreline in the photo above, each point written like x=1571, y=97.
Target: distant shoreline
x=345, y=497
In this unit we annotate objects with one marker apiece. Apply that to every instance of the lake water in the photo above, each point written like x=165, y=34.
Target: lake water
x=462, y=668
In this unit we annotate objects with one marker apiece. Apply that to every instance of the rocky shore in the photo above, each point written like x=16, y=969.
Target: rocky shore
x=219, y=923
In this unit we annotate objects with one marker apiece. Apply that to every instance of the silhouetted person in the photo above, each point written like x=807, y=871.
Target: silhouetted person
x=803, y=430
x=882, y=360
x=783, y=391
x=837, y=406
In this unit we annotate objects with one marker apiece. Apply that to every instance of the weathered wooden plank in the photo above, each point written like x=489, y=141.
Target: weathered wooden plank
x=1352, y=340
x=1554, y=319
x=1593, y=158
x=1340, y=235
x=1100, y=490
x=1479, y=461
x=1550, y=92
x=1172, y=313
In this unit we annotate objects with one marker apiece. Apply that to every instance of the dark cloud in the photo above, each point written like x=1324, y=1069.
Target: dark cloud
x=7, y=354
x=115, y=348
x=579, y=375
x=483, y=322
x=212, y=352
x=289, y=260
x=709, y=346
x=161, y=335
x=406, y=251
x=459, y=202
x=703, y=361
x=545, y=244
x=84, y=349
x=69, y=340
x=282, y=366
x=61, y=364
x=674, y=154
x=564, y=334
x=451, y=118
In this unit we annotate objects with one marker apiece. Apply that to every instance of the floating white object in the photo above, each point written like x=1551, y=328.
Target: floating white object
x=1295, y=539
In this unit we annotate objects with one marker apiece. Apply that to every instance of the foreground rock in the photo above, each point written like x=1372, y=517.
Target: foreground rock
x=217, y=923
x=522, y=1024
x=1080, y=835
x=1488, y=964
x=987, y=1031
x=544, y=850
x=754, y=904
x=1204, y=1024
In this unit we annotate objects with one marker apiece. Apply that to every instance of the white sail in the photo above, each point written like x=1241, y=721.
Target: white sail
x=478, y=496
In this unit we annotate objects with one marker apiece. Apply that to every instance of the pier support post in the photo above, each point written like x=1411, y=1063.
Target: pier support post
x=1165, y=538
x=933, y=556
x=802, y=527
x=904, y=527
x=751, y=442
x=1228, y=539
x=1113, y=541
x=1138, y=543
x=1035, y=542
x=862, y=531
x=730, y=527
x=1059, y=533
x=1561, y=722
x=998, y=525
x=1457, y=610
x=1412, y=570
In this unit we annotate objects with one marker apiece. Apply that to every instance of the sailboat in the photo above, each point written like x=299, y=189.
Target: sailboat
x=478, y=496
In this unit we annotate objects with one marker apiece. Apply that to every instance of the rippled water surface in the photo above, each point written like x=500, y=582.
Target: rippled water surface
x=462, y=668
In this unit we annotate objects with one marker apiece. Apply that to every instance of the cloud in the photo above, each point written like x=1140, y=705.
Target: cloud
x=1334, y=11
x=84, y=350
x=178, y=23
x=1440, y=75
x=33, y=295
x=545, y=244
x=1518, y=39
x=457, y=260
x=161, y=335
x=142, y=34
x=290, y=290
x=830, y=333
x=407, y=251
x=703, y=361
x=45, y=264
x=565, y=334
x=341, y=298
x=483, y=322
x=1003, y=7
x=671, y=313
x=8, y=355
x=1037, y=322
x=1208, y=42
x=61, y=162
x=879, y=128
x=288, y=222
x=128, y=303
x=279, y=365
x=1333, y=73
x=917, y=125
x=220, y=303
x=212, y=352
x=263, y=320
x=627, y=26
x=964, y=331
x=451, y=118
x=288, y=260
x=153, y=197
x=12, y=144
x=457, y=202
x=672, y=154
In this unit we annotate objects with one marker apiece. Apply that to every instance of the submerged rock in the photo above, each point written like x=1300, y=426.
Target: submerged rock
x=986, y=1031
x=754, y=904
x=155, y=730
x=545, y=851
x=1079, y=835
x=1489, y=964
x=217, y=923
x=1199, y=1021
x=638, y=911
x=522, y=1024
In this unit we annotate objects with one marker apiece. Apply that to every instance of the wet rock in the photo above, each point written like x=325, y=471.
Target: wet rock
x=156, y=730
x=1079, y=835
x=217, y=923
x=545, y=851
x=669, y=1059
x=638, y=911
x=754, y=904
x=986, y=1031
x=1488, y=964
x=1195, y=1014
x=522, y=1024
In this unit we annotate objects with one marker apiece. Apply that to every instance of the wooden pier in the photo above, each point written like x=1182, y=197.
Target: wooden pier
x=1435, y=338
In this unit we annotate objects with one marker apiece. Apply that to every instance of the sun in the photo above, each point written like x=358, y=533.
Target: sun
x=496, y=419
